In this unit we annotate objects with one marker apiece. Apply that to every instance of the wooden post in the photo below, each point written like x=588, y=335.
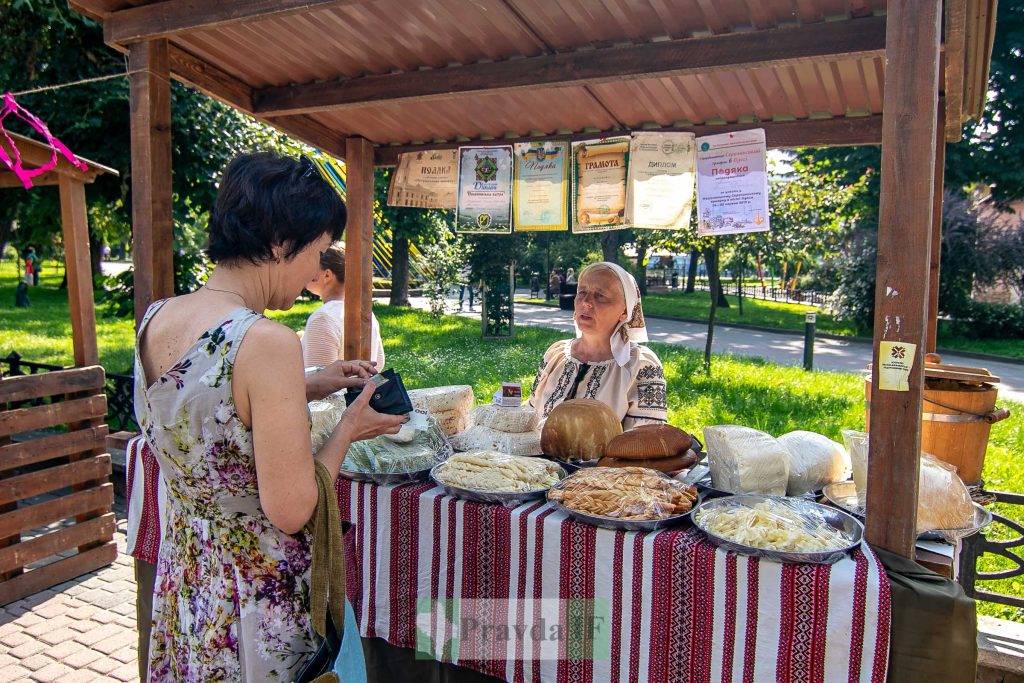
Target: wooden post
x=904, y=252
x=936, y=247
x=358, y=248
x=152, y=223
x=75, y=227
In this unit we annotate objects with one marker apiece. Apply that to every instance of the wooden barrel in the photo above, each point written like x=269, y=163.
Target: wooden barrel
x=956, y=420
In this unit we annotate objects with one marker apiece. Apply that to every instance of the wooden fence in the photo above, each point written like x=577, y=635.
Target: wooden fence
x=55, y=492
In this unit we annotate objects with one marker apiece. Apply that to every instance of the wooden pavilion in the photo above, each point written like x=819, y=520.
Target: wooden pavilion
x=368, y=79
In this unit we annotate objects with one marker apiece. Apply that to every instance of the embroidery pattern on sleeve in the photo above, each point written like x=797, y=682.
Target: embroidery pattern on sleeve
x=651, y=391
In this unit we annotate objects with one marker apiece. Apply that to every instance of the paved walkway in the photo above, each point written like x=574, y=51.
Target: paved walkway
x=81, y=630
x=784, y=348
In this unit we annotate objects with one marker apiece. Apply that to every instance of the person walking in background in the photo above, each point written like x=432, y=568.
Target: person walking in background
x=554, y=283
x=570, y=277
x=534, y=286
x=464, y=284
x=31, y=265
x=323, y=339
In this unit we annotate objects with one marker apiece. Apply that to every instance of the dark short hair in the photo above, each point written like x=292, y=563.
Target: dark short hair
x=267, y=200
x=333, y=259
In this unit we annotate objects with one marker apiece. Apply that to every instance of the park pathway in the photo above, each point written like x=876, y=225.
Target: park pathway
x=785, y=348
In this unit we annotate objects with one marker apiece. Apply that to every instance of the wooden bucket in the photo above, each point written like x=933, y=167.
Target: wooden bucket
x=957, y=414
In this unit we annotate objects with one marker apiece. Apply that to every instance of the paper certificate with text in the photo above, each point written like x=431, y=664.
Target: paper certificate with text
x=599, y=184
x=732, y=183
x=485, y=190
x=425, y=180
x=662, y=172
x=540, y=186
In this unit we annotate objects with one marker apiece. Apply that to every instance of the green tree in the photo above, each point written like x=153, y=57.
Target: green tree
x=46, y=43
x=408, y=226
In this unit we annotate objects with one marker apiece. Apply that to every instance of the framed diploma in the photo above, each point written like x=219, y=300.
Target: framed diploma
x=732, y=183
x=425, y=180
x=662, y=172
x=599, y=184
x=485, y=190
x=540, y=186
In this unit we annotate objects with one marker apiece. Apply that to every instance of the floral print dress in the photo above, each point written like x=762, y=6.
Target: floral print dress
x=231, y=600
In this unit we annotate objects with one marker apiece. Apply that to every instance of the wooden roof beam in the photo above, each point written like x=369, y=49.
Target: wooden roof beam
x=855, y=38
x=861, y=130
x=222, y=86
x=169, y=17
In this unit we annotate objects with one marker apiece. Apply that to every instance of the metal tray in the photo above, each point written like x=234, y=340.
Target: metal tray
x=623, y=524
x=844, y=495
x=844, y=522
x=386, y=478
x=508, y=499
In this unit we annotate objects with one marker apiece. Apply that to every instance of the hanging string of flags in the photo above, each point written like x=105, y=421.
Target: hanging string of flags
x=646, y=180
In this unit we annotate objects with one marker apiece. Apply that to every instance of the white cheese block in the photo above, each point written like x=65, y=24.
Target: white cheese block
x=814, y=462
x=745, y=460
x=480, y=438
x=513, y=420
x=943, y=502
x=443, y=399
x=452, y=421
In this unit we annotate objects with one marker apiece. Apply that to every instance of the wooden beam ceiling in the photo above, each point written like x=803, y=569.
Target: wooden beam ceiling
x=166, y=18
x=756, y=49
x=222, y=86
x=861, y=130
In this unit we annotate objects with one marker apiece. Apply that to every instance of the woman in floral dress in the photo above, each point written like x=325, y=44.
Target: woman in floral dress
x=221, y=397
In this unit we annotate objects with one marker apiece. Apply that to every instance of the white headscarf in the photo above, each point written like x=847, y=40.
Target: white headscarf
x=634, y=328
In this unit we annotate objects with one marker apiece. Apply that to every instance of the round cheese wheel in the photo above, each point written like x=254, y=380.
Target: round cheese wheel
x=579, y=429
x=650, y=441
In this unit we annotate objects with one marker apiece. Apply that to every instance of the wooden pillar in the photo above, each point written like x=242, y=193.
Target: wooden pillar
x=358, y=248
x=904, y=253
x=936, y=246
x=75, y=228
x=152, y=223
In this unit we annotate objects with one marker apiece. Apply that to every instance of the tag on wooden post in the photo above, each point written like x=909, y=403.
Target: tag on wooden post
x=894, y=362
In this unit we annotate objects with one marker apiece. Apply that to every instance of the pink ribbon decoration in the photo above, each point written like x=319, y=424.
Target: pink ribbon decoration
x=25, y=175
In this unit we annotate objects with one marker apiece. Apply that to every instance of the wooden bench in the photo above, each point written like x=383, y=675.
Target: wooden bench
x=55, y=492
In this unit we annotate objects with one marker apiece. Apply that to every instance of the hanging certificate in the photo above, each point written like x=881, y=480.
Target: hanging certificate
x=662, y=171
x=732, y=183
x=425, y=180
x=485, y=190
x=540, y=186
x=599, y=184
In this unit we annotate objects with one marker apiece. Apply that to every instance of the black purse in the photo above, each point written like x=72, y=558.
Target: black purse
x=390, y=396
x=320, y=667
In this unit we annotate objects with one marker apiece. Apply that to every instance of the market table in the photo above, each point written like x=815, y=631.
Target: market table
x=677, y=607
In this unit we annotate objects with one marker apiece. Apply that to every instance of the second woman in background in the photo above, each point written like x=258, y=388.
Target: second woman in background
x=322, y=342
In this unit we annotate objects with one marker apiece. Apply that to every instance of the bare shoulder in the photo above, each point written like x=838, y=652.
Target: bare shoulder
x=269, y=343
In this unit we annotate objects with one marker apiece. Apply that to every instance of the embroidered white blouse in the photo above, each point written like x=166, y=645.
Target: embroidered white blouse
x=635, y=391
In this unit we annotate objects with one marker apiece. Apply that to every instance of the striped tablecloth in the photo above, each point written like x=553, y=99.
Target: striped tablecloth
x=678, y=608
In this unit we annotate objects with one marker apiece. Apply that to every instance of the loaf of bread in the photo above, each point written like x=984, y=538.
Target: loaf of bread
x=650, y=441
x=579, y=429
x=669, y=464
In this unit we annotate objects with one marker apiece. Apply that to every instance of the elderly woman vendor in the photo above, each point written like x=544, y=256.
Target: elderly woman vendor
x=605, y=361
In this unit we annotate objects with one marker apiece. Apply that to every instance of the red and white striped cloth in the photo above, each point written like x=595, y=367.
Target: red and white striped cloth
x=680, y=608
x=147, y=500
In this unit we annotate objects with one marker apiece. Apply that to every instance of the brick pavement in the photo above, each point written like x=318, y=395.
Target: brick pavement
x=81, y=630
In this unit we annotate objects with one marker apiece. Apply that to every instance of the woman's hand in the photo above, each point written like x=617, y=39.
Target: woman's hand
x=341, y=374
x=360, y=421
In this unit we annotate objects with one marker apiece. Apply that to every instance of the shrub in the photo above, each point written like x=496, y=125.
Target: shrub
x=984, y=320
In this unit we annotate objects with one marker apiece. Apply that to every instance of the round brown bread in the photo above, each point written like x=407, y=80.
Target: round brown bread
x=650, y=441
x=671, y=464
x=579, y=429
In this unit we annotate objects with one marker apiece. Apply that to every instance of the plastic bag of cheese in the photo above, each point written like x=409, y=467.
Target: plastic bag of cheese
x=943, y=502
x=480, y=438
x=514, y=420
x=383, y=455
x=745, y=460
x=814, y=462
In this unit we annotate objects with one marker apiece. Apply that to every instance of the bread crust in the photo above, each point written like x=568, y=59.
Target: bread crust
x=648, y=442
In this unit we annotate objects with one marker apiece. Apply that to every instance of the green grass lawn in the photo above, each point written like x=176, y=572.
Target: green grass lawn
x=790, y=316
x=431, y=352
